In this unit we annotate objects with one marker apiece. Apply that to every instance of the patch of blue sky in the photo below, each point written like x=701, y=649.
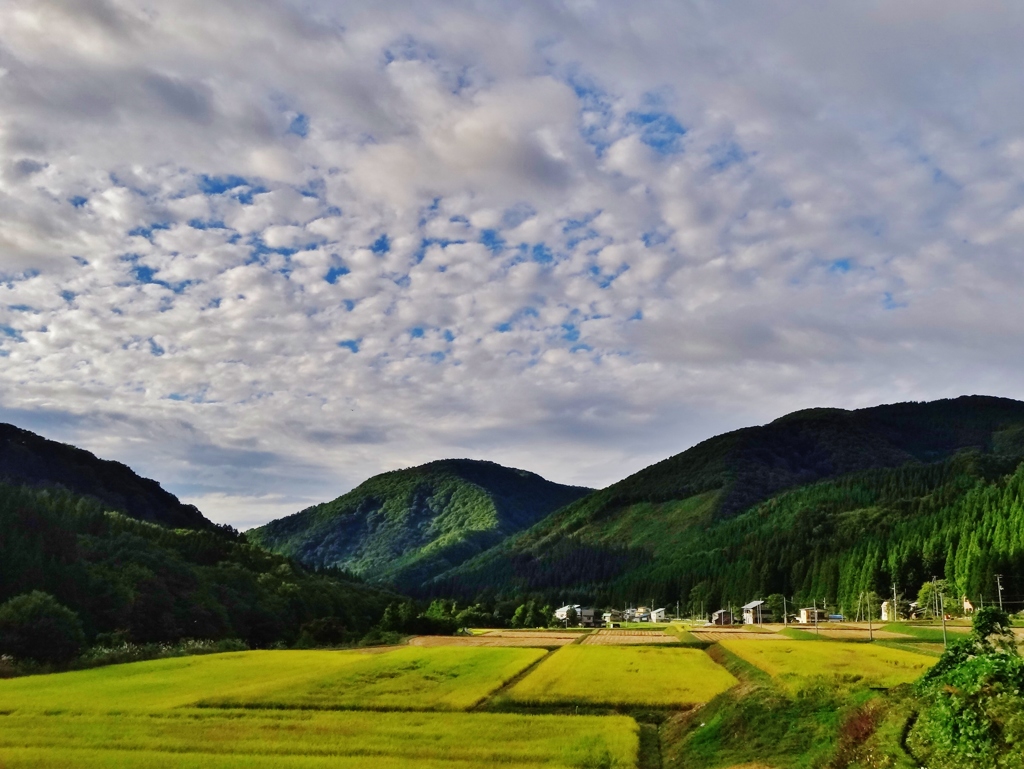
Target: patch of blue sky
x=21, y=308
x=437, y=356
x=426, y=243
x=11, y=333
x=659, y=130
x=299, y=125
x=351, y=344
x=416, y=332
x=597, y=114
x=448, y=335
x=638, y=315
x=605, y=279
x=654, y=238
x=145, y=274
x=147, y=231
x=207, y=224
x=570, y=332
x=68, y=296
x=492, y=241
x=78, y=200
x=334, y=273
x=581, y=347
x=726, y=155
x=81, y=261
x=381, y=245
x=348, y=304
x=429, y=212
x=155, y=349
x=217, y=185
x=516, y=319
x=841, y=266
x=541, y=253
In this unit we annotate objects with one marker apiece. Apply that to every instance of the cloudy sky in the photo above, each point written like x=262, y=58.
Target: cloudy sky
x=262, y=250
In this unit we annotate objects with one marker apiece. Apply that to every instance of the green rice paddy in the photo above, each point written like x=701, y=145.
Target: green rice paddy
x=623, y=676
x=794, y=661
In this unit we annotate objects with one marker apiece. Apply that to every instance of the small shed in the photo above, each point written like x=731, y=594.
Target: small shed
x=721, y=617
x=657, y=615
x=811, y=615
x=752, y=612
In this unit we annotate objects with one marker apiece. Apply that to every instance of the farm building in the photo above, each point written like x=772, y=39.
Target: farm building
x=721, y=617
x=585, y=615
x=752, y=612
x=657, y=615
x=612, y=616
x=811, y=615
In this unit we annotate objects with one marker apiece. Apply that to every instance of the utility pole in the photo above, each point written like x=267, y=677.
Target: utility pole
x=814, y=604
x=785, y=614
x=942, y=608
x=871, y=633
x=895, y=612
x=999, y=585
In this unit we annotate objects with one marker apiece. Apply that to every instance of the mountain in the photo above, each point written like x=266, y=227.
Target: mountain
x=407, y=526
x=788, y=507
x=30, y=459
x=142, y=582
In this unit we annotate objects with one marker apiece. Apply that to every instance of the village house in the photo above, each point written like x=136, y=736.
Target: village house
x=721, y=617
x=657, y=615
x=810, y=616
x=752, y=613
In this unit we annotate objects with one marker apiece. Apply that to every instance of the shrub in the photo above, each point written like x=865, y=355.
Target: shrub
x=36, y=627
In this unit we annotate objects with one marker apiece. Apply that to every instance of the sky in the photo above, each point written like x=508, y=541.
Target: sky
x=261, y=251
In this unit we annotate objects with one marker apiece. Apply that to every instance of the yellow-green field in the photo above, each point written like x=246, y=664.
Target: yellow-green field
x=623, y=675
x=408, y=678
x=144, y=715
x=349, y=739
x=793, y=661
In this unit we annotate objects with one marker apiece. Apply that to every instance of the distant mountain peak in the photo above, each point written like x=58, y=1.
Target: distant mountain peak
x=32, y=460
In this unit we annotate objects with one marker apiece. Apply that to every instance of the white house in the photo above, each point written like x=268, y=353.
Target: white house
x=807, y=616
x=752, y=612
x=562, y=612
x=657, y=615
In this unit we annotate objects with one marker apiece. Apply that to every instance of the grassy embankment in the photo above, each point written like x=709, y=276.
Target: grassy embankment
x=799, y=705
x=146, y=714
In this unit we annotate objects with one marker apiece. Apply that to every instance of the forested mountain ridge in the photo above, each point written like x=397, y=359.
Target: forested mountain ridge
x=679, y=528
x=141, y=582
x=407, y=526
x=30, y=459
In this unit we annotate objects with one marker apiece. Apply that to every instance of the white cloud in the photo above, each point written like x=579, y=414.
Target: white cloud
x=261, y=251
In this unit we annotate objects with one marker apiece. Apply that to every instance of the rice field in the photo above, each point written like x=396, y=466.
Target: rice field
x=714, y=636
x=305, y=739
x=613, y=637
x=409, y=678
x=794, y=661
x=496, y=639
x=615, y=676
x=146, y=714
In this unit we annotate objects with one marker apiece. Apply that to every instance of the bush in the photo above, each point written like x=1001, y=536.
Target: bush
x=36, y=627
x=326, y=631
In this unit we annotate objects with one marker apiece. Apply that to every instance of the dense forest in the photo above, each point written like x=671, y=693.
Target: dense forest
x=406, y=526
x=140, y=582
x=942, y=500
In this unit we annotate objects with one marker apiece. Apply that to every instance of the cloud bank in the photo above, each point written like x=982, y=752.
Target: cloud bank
x=262, y=250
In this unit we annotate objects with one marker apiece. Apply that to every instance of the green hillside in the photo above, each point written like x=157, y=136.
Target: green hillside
x=145, y=583
x=407, y=526
x=819, y=504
